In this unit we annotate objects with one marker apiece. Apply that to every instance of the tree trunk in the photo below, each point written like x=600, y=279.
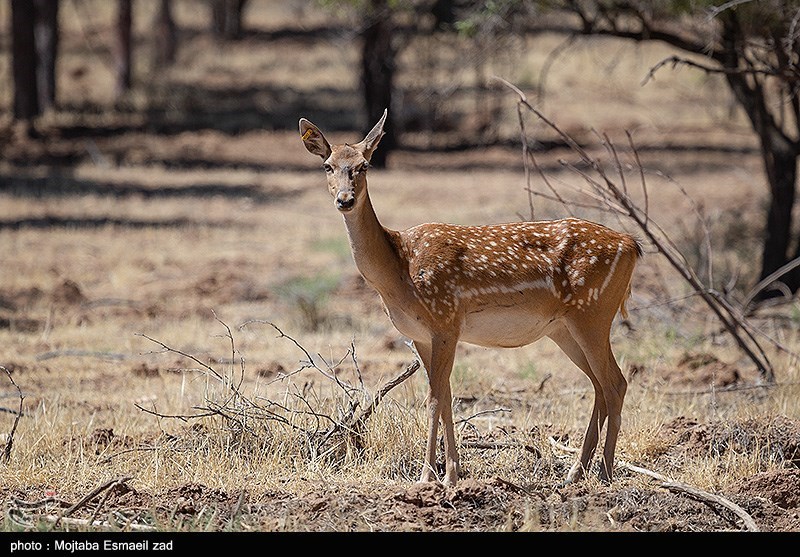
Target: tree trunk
x=778, y=152
x=166, y=38
x=226, y=18
x=444, y=14
x=46, y=40
x=23, y=47
x=122, y=52
x=780, y=164
x=377, y=75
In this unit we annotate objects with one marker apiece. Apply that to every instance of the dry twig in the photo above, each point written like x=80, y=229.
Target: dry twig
x=6, y=456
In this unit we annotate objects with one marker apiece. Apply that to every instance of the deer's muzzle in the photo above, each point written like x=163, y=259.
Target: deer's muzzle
x=345, y=200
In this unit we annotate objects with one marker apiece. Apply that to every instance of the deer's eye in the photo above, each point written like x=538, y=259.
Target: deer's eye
x=363, y=168
x=327, y=167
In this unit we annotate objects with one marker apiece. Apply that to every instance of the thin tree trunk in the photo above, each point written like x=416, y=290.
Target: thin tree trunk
x=122, y=52
x=377, y=75
x=46, y=39
x=166, y=37
x=23, y=46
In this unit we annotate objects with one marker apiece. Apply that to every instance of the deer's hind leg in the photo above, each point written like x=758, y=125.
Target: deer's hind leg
x=609, y=383
x=564, y=339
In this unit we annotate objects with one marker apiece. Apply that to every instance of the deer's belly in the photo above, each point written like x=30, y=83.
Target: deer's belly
x=494, y=326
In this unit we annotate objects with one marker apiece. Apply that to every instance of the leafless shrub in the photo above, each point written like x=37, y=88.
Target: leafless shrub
x=326, y=429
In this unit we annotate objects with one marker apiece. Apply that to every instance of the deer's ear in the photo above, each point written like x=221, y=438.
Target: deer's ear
x=370, y=142
x=313, y=139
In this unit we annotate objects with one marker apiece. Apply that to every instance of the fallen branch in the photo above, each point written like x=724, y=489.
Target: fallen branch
x=705, y=496
x=490, y=445
x=20, y=503
x=748, y=521
x=94, y=493
x=81, y=353
x=16, y=514
x=679, y=487
x=768, y=281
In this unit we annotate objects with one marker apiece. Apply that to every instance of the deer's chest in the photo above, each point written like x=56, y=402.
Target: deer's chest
x=407, y=317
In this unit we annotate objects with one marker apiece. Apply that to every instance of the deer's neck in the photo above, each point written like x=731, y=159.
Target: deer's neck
x=375, y=254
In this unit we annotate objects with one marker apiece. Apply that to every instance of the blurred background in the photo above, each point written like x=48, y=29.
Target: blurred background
x=123, y=116
x=87, y=79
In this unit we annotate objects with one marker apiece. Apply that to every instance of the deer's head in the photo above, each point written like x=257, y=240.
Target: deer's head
x=345, y=165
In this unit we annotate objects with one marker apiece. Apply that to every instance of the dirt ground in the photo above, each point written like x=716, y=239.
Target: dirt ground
x=118, y=224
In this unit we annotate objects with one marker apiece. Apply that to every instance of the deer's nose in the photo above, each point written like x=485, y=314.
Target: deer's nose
x=345, y=201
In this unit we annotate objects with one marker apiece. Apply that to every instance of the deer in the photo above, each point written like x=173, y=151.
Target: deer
x=495, y=285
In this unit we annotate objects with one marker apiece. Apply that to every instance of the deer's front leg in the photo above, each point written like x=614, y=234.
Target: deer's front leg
x=438, y=360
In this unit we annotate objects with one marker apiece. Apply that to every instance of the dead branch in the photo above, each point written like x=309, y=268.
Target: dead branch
x=10, y=439
x=498, y=445
x=94, y=493
x=185, y=355
x=81, y=353
x=552, y=56
x=705, y=496
x=110, y=457
x=768, y=281
x=542, y=383
x=234, y=352
x=410, y=370
x=20, y=503
x=618, y=200
x=678, y=487
x=309, y=361
x=482, y=413
x=560, y=446
x=676, y=61
x=181, y=417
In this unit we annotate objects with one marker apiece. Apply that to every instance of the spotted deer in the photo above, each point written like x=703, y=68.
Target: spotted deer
x=500, y=285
